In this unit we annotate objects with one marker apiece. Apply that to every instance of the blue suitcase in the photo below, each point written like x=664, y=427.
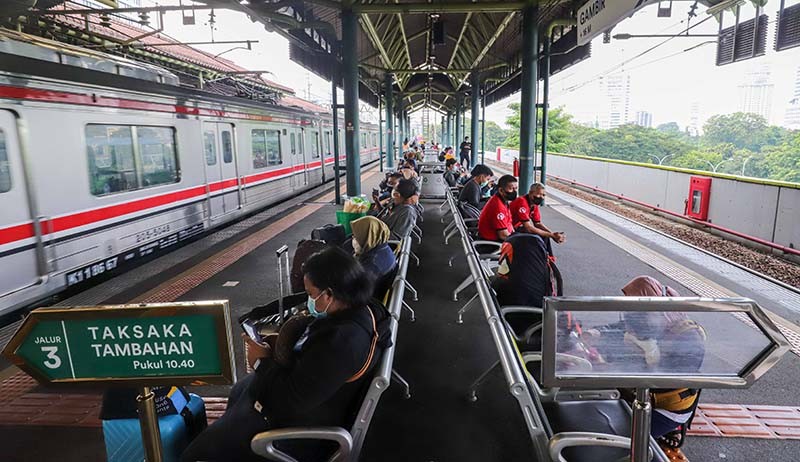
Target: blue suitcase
x=123, y=437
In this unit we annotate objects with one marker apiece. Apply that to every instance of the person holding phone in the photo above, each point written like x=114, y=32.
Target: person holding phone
x=329, y=362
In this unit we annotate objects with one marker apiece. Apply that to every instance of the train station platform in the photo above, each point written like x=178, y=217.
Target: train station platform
x=437, y=356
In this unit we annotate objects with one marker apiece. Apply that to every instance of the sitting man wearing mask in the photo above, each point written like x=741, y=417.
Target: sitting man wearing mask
x=527, y=218
x=471, y=192
x=495, y=223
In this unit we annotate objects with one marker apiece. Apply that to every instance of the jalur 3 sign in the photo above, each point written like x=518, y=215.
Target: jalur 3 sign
x=147, y=344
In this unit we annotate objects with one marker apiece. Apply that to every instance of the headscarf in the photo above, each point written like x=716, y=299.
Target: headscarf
x=646, y=327
x=369, y=232
x=646, y=286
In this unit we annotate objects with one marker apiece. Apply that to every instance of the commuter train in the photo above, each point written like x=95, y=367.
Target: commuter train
x=104, y=161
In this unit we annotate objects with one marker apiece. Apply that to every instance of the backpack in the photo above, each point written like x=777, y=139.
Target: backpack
x=330, y=234
x=305, y=249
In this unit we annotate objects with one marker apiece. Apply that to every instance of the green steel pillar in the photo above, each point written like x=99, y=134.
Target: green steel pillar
x=336, y=146
x=527, y=126
x=401, y=133
x=350, y=31
x=389, y=123
x=475, y=82
x=483, y=129
x=545, y=104
x=459, y=135
x=449, y=130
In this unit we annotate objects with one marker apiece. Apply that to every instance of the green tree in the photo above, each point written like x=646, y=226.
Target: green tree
x=783, y=161
x=560, y=129
x=669, y=127
x=743, y=130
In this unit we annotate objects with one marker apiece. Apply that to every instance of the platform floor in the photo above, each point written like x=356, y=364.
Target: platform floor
x=438, y=357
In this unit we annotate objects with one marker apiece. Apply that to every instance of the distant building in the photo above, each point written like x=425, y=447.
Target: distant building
x=617, y=89
x=694, y=128
x=792, y=118
x=755, y=93
x=644, y=119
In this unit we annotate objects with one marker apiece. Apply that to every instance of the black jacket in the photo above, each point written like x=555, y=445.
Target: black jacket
x=314, y=391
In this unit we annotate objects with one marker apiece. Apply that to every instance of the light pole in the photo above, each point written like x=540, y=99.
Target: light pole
x=661, y=159
x=745, y=164
x=715, y=167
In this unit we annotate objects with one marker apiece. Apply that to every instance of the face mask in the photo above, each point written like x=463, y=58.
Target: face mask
x=538, y=200
x=484, y=183
x=510, y=196
x=312, y=307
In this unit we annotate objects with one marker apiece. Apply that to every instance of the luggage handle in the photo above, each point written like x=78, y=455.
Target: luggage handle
x=283, y=279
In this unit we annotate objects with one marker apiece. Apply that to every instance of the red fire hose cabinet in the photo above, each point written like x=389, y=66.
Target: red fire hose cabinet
x=699, y=197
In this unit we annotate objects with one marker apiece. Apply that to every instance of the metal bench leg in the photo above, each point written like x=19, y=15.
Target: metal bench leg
x=410, y=311
x=403, y=383
x=443, y=204
x=450, y=235
x=419, y=238
x=446, y=213
x=465, y=308
x=466, y=283
x=473, y=389
x=418, y=230
x=450, y=261
x=414, y=256
x=448, y=228
x=414, y=295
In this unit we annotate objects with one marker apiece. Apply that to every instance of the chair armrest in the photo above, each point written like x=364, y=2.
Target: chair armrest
x=263, y=443
x=564, y=440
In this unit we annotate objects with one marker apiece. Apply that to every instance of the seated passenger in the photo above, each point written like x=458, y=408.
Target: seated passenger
x=384, y=194
x=369, y=243
x=405, y=209
x=528, y=219
x=326, y=371
x=494, y=223
x=471, y=192
x=666, y=341
x=523, y=277
x=451, y=173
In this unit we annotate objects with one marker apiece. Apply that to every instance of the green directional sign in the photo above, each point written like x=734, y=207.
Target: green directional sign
x=146, y=344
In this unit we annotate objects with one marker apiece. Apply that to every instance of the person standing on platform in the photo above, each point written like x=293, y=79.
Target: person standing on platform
x=495, y=222
x=464, y=151
x=527, y=218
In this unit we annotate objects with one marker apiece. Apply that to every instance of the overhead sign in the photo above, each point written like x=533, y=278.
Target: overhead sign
x=147, y=344
x=595, y=16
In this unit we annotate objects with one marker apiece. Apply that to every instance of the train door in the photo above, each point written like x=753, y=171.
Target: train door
x=299, y=161
x=229, y=168
x=221, y=169
x=18, y=244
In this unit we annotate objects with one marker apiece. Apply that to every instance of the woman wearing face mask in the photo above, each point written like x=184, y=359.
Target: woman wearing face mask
x=370, y=237
x=318, y=387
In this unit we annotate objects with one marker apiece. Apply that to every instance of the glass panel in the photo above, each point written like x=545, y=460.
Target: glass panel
x=159, y=160
x=301, y=143
x=327, y=142
x=697, y=197
x=112, y=167
x=227, y=147
x=258, y=144
x=315, y=146
x=5, y=167
x=663, y=343
x=293, y=143
x=210, y=144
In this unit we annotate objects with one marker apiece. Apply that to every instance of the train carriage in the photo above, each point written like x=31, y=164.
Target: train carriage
x=99, y=168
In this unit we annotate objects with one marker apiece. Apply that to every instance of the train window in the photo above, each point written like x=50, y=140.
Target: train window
x=374, y=140
x=266, y=146
x=315, y=146
x=158, y=159
x=117, y=164
x=327, y=142
x=5, y=167
x=363, y=141
x=293, y=144
x=300, y=143
x=210, y=145
x=227, y=147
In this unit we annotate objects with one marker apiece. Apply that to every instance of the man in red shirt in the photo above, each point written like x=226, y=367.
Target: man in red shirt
x=526, y=218
x=495, y=222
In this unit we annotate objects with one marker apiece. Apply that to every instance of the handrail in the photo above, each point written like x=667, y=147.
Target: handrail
x=509, y=361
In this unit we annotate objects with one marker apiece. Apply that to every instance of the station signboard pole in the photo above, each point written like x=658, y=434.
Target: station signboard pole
x=132, y=345
x=597, y=16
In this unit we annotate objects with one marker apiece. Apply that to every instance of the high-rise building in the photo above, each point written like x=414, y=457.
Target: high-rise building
x=755, y=92
x=792, y=118
x=694, y=128
x=617, y=88
x=644, y=119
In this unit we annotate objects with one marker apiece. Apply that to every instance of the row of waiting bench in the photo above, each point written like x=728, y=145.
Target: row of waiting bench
x=350, y=440
x=583, y=423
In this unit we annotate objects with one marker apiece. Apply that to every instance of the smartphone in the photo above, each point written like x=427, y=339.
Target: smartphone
x=252, y=332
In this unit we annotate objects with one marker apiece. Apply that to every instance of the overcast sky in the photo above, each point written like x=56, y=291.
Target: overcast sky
x=665, y=81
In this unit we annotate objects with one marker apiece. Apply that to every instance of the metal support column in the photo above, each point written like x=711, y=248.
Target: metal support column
x=527, y=126
x=350, y=30
x=381, y=152
x=483, y=129
x=401, y=122
x=148, y=421
x=337, y=190
x=389, y=123
x=449, y=130
x=459, y=135
x=545, y=105
x=475, y=82
x=640, y=427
